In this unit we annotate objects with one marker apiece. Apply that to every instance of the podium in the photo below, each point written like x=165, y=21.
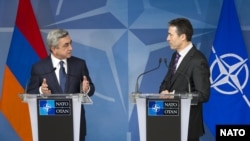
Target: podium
x=163, y=117
x=56, y=116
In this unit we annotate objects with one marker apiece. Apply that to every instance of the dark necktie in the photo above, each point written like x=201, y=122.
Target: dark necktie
x=62, y=75
x=177, y=56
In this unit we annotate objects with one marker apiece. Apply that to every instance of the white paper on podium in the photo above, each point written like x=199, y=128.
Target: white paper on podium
x=141, y=112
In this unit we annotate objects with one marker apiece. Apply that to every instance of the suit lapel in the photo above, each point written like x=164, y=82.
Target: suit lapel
x=183, y=65
x=70, y=68
x=68, y=76
x=53, y=79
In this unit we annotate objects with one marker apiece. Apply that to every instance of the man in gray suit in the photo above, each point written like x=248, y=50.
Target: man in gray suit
x=45, y=74
x=188, y=67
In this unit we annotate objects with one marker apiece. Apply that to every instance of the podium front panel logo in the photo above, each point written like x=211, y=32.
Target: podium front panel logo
x=54, y=107
x=163, y=108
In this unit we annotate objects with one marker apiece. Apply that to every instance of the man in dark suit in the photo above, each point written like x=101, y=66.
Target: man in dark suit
x=189, y=64
x=45, y=74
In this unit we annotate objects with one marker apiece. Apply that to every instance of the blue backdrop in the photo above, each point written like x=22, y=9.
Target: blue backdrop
x=119, y=39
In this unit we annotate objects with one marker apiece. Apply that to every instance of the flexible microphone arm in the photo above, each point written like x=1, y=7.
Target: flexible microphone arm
x=137, y=85
x=183, y=74
x=28, y=81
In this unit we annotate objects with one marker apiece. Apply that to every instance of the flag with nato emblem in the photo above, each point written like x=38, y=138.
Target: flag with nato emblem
x=26, y=48
x=229, y=101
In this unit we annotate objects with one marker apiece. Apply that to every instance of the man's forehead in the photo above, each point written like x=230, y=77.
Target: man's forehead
x=66, y=39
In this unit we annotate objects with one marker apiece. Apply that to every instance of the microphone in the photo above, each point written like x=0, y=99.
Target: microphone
x=181, y=73
x=50, y=71
x=80, y=81
x=137, y=85
x=26, y=87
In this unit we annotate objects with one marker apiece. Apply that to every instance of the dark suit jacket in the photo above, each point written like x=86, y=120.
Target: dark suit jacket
x=194, y=67
x=76, y=70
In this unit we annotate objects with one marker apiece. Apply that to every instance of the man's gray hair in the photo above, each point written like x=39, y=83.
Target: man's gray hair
x=54, y=36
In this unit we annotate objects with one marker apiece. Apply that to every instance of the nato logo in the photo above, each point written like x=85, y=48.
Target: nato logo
x=54, y=107
x=230, y=74
x=163, y=108
x=46, y=107
x=155, y=108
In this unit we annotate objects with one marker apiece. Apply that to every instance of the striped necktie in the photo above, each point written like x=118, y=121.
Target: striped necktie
x=177, y=56
x=173, y=70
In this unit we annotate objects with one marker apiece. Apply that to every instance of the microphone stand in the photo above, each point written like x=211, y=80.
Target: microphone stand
x=36, y=75
x=137, y=81
x=136, y=93
x=185, y=76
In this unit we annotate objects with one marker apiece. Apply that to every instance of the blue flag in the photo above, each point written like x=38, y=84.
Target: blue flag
x=229, y=102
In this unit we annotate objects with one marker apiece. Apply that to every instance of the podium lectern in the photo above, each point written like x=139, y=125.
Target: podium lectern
x=56, y=116
x=165, y=117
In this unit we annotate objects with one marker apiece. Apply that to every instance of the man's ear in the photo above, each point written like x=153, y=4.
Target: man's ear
x=183, y=37
x=53, y=49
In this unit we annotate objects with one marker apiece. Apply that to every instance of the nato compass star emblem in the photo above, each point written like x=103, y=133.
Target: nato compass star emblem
x=156, y=108
x=226, y=70
x=46, y=107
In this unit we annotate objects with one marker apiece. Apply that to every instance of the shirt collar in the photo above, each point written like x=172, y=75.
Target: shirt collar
x=55, y=61
x=186, y=50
